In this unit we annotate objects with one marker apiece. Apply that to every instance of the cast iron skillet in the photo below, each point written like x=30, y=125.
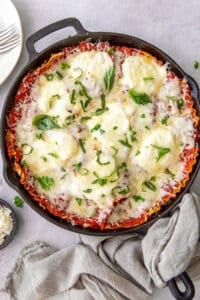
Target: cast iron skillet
x=35, y=59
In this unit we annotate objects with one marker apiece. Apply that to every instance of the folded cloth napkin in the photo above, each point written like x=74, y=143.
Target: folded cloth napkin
x=111, y=268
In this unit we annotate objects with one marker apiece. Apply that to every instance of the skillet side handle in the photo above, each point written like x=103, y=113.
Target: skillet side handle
x=69, y=22
x=194, y=86
x=189, y=292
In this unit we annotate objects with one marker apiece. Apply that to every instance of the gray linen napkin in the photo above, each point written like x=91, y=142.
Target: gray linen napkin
x=111, y=268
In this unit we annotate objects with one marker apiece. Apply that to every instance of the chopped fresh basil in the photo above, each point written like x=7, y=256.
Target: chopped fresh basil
x=59, y=75
x=111, y=50
x=55, y=155
x=72, y=97
x=27, y=149
x=103, y=108
x=109, y=78
x=45, y=182
x=103, y=195
x=49, y=76
x=78, y=168
x=98, y=180
x=143, y=116
x=137, y=153
x=52, y=100
x=69, y=120
x=24, y=164
x=147, y=127
x=125, y=142
x=39, y=136
x=115, y=150
x=83, y=92
x=164, y=121
x=44, y=158
x=82, y=145
x=87, y=191
x=65, y=66
x=132, y=135
x=79, y=201
x=167, y=171
x=85, y=118
x=98, y=159
x=196, y=64
x=115, y=127
x=19, y=202
x=138, y=198
x=153, y=178
x=149, y=185
x=139, y=98
x=161, y=151
x=119, y=190
x=148, y=78
x=180, y=103
x=45, y=122
x=96, y=127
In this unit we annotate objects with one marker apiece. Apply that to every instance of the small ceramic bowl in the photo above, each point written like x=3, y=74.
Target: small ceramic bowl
x=10, y=236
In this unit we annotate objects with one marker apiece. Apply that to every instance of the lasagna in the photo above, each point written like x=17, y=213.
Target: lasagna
x=103, y=136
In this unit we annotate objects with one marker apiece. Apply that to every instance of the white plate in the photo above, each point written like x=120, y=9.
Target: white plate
x=8, y=60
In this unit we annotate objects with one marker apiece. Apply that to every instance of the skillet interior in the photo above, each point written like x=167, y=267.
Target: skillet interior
x=115, y=39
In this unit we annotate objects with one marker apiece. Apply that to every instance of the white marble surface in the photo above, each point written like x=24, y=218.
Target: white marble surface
x=174, y=26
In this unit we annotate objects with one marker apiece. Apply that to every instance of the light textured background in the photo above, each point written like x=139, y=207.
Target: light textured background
x=174, y=26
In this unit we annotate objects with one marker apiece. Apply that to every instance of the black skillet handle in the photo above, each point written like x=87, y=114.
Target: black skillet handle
x=189, y=292
x=70, y=22
x=194, y=86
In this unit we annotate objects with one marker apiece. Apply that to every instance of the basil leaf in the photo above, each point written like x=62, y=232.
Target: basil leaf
x=65, y=66
x=72, y=97
x=125, y=142
x=196, y=64
x=109, y=78
x=27, y=149
x=100, y=181
x=167, y=171
x=138, y=198
x=59, y=75
x=79, y=201
x=164, y=121
x=45, y=182
x=82, y=145
x=87, y=191
x=49, y=77
x=44, y=122
x=19, y=202
x=161, y=151
x=180, y=103
x=111, y=50
x=148, y=78
x=139, y=98
x=55, y=155
x=150, y=185
x=98, y=159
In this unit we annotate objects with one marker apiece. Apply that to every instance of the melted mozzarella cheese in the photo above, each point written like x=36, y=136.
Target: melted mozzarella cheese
x=143, y=74
x=113, y=149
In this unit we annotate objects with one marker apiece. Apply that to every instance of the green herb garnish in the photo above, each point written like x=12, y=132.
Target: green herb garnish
x=49, y=77
x=143, y=116
x=115, y=127
x=82, y=145
x=161, y=151
x=44, y=158
x=19, y=202
x=139, y=98
x=180, y=103
x=98, y=159
x=27, y=149
x=137, y=153
x=72, y=97
x=164, y=121
x=109, y=78
x=39, y=136
x=103, y=108
x=111, y=50
x=149, y=185
x=148, y=78
x=138, y=198
x=55, y=155
x=147, y=127
x=87, y=191
x=167, y=171
x=45, y=122
x=45, y=182
x=65, y=66
x=79, y=201
x=125, y=142
x=98, y=180
x=96, y=127
x=24, y=164
x=59, y=75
